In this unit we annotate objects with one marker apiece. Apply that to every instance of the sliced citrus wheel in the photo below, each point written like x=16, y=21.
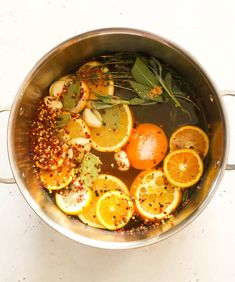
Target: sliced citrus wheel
x=73, y=201
x=114, y=209
x=97, y=79
x=77, y=135
x=102, y=184
x=190, y=137
x=68, y=79
x=155, y=198
x=183, y=168
x=57, y=179
x=56, y=89
x=75, y=128
x=117, y=123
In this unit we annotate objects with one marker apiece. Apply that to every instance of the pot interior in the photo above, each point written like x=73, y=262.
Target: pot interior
x=61, y=61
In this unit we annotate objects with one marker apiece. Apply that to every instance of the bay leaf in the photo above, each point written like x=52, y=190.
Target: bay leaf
x=111, y=117
x=89, y=169
x=70, y=98
x=63, y=120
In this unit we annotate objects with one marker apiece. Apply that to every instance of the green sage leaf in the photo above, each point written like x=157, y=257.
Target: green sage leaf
x=143, y=74
x=140, y=89
x=168, y=80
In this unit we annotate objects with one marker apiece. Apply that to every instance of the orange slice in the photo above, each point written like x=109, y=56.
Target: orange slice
x=97, y=79
x=183, y=168
x=117, y=123
x=57, y=179
x=155, y=198
x=190, y=137
x=114, y=209
x=102, y=184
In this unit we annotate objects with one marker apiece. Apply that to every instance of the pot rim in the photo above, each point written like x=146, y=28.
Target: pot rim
x=93, y=242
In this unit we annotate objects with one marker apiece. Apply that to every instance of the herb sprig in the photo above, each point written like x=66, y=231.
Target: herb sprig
x=147, y=79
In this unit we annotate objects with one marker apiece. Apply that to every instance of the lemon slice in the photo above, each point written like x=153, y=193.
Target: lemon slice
x=75, y=128
x=57, y=179
x=114, y=209
x=183, y=168
x=101, y=185
x=68, y=79
x=56, y=89
x=117, y=123
x=155, y=198
x=73, y=201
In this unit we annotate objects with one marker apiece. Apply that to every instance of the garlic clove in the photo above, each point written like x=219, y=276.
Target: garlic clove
x=122, y=160
x=97, y=114
x=91, y=119
x=79, y=141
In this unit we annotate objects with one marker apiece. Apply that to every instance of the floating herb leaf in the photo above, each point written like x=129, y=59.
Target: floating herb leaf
x=89, y=169
x=111, y=117
x=70, y=98
x=142, y=74
x=141, y=89
x=62, y=120
x=104, y=102
x=168, y=80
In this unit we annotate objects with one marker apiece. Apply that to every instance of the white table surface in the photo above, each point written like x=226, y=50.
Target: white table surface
x=29, y=249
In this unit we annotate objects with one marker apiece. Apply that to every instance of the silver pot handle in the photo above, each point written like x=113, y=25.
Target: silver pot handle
x=229, y=93
x=6, y=180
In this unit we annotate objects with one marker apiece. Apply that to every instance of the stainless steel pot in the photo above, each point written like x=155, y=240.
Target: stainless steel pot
x=63, y=59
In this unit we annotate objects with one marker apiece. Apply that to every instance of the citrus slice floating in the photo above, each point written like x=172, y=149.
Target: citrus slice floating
x=190, y=137
x=77, y=135
x=75, y=128
x=102, y=184
x=57, y=179
x=183, y=168
x=114, y=209
x=56, y=89
x=155, y=198
x=73, y=201
x=97, y=79
x=117, y=123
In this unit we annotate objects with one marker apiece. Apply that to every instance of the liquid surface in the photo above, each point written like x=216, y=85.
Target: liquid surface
x=167, y=116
